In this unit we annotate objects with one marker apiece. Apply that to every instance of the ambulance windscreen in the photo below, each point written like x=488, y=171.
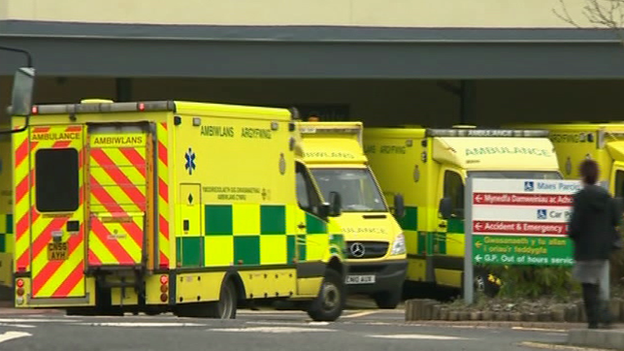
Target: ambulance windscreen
x=357, y=189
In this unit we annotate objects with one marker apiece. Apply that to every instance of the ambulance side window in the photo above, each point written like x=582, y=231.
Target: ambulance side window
x=619, y=184
x=56, y=177
x=307, y=197
x=454, y=189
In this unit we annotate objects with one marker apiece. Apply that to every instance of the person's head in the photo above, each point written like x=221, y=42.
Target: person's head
x=589, y=172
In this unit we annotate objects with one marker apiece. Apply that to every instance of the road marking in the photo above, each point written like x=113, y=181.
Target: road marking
x=10, y=335
x=417, y=336
x=539, y=345
x=360, y=314
x=35, y=320
x=270, y=312
x=285, y=323
x=17, y=325
x=141, y=325
x=285, y=330
x=541, y=329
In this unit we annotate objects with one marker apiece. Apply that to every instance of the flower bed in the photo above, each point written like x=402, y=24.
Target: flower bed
x=542, y=310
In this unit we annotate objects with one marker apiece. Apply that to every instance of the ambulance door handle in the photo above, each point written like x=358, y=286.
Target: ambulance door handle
x=301, y=226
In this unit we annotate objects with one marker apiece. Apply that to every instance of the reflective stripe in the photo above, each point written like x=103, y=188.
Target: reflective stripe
x=55, y=278
x=163, y=194
x=22, y=208
x=118, y=184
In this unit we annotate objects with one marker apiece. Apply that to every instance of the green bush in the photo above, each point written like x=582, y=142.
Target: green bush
x=534, y=282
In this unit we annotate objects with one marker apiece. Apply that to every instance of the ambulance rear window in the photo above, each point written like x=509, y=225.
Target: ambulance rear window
x=56, y=174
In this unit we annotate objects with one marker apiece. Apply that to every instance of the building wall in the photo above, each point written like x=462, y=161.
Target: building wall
x=391, y=13
x=377, y=103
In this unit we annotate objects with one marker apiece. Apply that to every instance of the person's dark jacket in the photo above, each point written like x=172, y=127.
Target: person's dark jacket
x=592, y=226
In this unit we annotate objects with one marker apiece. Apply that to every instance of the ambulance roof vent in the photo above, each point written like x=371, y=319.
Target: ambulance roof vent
x=96, y=101
x=500, y=133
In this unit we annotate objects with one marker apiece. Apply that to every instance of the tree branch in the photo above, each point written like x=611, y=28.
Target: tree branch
x=607, y=14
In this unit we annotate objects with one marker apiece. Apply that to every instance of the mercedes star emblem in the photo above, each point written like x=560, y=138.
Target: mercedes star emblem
x=357, y=250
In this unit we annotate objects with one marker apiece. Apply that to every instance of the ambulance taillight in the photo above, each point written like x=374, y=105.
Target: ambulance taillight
x=164, y=288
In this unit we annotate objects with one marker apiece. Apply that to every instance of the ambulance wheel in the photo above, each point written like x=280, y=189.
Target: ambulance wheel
x=328, y=306
x=225, y=308
x=388, y=299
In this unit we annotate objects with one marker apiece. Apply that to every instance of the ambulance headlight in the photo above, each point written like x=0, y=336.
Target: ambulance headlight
x=398, y=246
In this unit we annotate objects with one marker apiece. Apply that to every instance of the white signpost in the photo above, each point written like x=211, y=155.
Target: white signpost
x=516, y=222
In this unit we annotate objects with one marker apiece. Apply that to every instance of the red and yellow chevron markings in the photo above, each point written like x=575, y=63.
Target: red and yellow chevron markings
x=50, y=277
x=118, y=202
x=163, y=194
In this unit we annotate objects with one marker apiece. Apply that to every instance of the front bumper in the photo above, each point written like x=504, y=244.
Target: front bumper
x=388, y=275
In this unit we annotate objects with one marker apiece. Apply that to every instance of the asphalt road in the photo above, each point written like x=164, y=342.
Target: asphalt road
x=361, y=330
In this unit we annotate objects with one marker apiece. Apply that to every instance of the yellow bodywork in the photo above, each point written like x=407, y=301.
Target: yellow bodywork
x=603, y=142
x=190, y=194
x=6, y=213
x=426, y=165
x=334, y=152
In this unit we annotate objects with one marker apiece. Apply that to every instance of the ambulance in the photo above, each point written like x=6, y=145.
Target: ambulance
x=374, y=240
x=429, y=167
x=170, y=206
x=603, y=142
x=23, y=84
x=6, y=217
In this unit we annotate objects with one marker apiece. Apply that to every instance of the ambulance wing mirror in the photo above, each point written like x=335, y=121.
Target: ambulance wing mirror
x=446, y=208
x=22, y=96
x=399, y=206
x=335, y=204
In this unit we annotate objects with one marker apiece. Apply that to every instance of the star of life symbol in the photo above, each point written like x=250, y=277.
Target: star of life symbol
x=190, y=161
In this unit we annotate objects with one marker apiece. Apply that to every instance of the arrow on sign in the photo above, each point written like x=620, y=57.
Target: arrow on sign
x=478, y=258
x=478, y=198
x=478, y=244
x=478, y=226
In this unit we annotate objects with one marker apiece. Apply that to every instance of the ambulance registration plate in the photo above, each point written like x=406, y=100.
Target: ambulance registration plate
x=361, y=279
x=58, y=251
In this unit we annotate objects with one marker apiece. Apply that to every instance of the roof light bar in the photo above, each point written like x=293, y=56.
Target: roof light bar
x=508, y=133
x=325, y=130
x=92, y=107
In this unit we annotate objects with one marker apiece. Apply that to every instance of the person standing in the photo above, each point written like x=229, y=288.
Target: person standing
x=593, y=230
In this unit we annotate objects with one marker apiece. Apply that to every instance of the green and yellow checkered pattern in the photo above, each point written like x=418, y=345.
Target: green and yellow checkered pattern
x=427, y=243
x=253, y=235
x=6, y=233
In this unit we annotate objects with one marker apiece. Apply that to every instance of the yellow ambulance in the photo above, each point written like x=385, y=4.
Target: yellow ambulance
x=429, y=167
x=193, y=208
x=603, y=142
x=374, y=240
x=6, y=217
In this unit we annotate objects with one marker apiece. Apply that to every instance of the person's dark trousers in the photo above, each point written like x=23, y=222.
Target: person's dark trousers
x=597, y=311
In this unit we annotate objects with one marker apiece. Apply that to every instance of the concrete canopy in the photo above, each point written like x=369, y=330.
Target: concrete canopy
x=311, y=52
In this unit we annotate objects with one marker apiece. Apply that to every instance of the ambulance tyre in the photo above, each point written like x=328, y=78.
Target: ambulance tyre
x=225, y=308
x=388, y=299
x=328, y=306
